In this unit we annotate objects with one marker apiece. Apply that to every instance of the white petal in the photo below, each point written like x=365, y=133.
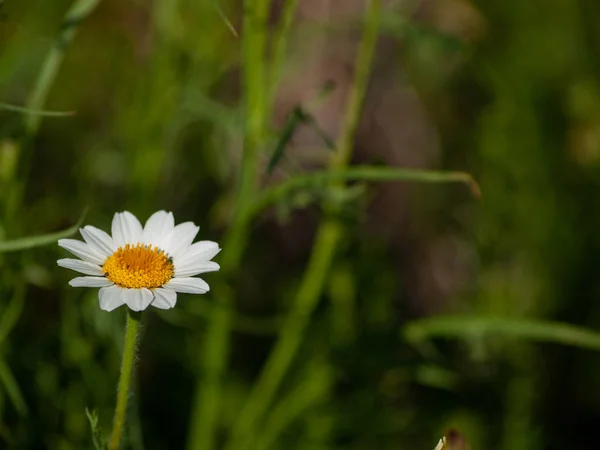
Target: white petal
x=82, y=250
x=137, y=299
x=164, y=298
x=196, y=267
x=80, y=266
x=207, y=250
x=179, y=239
x=90, y=282
x=99, y=240
x=116, y=230
x=188, y=285
x=111, y=297
x=126, y=229
x=157, y=227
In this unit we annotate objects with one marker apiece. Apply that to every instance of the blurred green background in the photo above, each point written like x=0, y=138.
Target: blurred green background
x=162, y=95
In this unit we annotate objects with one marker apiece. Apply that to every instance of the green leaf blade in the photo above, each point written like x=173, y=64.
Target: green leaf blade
x=30, y=242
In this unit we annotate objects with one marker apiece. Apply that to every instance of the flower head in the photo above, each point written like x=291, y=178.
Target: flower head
x=139, y=267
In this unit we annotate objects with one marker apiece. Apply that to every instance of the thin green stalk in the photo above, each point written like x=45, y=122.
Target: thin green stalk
x=282, y=37
x=359, y=173
x=74, y=16
x=255, y=111
x=129, y=352
x=37, y=99
x=9, y=382
x=364, y=60
x=291, y=336
x=24, y=110
x=216, y=341
x=328, y=236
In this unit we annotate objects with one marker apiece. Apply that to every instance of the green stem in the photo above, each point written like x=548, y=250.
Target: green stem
x=129, y=351
x=282, y=37
x=359, y=173
x=328, y=236
x=215, y=350
x=79, y=10
x=364, y=59
x=291, y=336
x=74, y=16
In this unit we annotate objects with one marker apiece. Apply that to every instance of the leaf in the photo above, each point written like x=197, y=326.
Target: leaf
x=38, y=241
x=12, y=388
x=201, y=106
x=294, y=119
x=464, y=327
x=97, y=439
x=297, y=117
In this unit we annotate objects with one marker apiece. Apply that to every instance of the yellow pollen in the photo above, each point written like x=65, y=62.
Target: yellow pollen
x=139, y=266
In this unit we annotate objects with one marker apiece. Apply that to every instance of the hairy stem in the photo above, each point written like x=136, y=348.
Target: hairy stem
x=129, y=352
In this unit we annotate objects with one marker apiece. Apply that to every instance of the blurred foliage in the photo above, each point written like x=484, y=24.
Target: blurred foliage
x=145, y=105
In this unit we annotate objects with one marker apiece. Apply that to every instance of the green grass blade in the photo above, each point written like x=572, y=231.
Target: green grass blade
x=74, y=16
x=35, y=112
x=11, y=314
x=224, y=17
x=311, y=390
x=464, y=327
x=12, y=388
x=38, y=241
x=362, y=173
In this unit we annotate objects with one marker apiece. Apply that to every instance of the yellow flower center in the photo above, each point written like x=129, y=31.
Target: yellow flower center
x=140, y=266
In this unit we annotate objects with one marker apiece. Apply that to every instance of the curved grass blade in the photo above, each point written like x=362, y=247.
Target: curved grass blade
x=224, y=17
x=362, y=173
x=11, y=314
x=38, y=241
x=464, y=327
x=12, y=388
x=74, y=16
x=35, y=112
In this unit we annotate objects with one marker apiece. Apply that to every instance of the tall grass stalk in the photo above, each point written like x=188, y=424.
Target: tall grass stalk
x=328, y=235
x=216, y=346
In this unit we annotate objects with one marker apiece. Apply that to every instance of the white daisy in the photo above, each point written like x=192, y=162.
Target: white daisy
x=139, y=266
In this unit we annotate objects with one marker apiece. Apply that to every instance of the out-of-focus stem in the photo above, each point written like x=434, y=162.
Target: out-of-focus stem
x=328, y=235
x=216, y=346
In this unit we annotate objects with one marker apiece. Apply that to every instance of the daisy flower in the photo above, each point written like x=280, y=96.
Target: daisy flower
x=139, y=267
